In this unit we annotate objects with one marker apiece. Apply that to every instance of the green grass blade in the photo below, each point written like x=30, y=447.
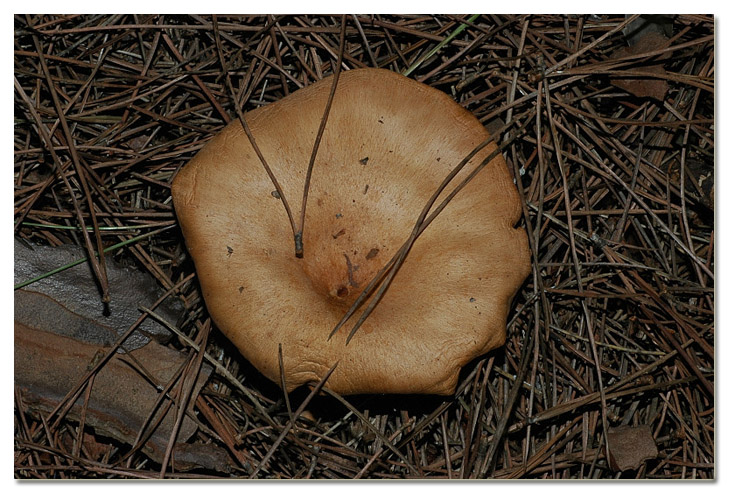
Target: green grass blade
x=81, y=260
x=435, y=49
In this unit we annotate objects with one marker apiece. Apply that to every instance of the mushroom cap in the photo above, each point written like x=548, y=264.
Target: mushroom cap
x=389, y=142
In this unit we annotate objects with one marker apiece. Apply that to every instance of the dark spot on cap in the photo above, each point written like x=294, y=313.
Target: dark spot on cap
x=364, y=161
x=372, y=253
x=338, y=234
x=240, y=289
x=471, y=299
x=342, y=291
x=230, y=250
x=276, y=194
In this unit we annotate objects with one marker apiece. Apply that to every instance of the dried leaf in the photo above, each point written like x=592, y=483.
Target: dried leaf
x=651, y=87
x=47, y=366
x=630, y=446
x=76, y=290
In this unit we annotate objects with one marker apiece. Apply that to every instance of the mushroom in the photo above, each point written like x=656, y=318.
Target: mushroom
x=388, y=144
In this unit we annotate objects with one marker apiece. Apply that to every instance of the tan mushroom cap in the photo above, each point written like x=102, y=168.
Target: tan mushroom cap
x=388, y=144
